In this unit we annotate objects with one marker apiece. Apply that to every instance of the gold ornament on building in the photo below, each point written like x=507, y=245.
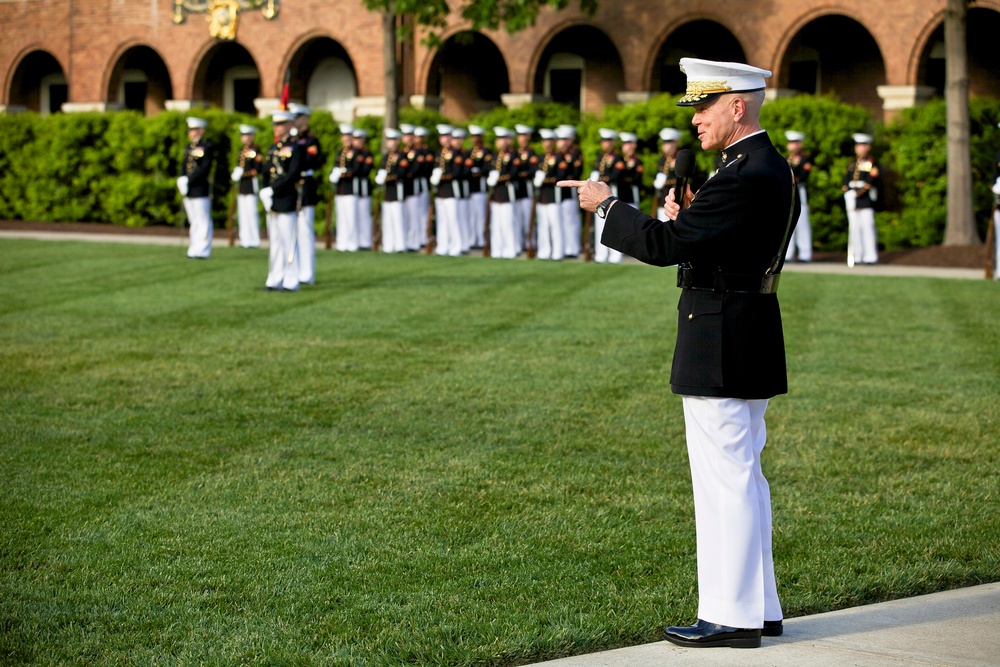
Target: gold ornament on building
x=223, y=15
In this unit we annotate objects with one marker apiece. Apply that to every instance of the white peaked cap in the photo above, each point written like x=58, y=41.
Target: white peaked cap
x=565, y=132
x=282, y=117
x=458, y=133
x=607, y=134
x=523, y=129
x=628, y=137
x=707, y=79
x=360, y=133
x=248, y=129
x=476, y=131
x=792, y=135
x=346, y=128
x=444, y=129
x=669, y=134
x=546, y=133
x=299, y=109
x=502, y=132
x=193, y=123
x=420, y=131
x=860, y=138
x=406, y=128
x=392, y=133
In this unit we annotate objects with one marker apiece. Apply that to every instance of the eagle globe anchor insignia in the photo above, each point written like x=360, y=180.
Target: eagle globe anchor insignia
x=223, y=15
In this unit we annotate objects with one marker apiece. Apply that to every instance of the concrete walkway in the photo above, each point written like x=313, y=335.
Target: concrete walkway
x=959, y=628
x=181, y=240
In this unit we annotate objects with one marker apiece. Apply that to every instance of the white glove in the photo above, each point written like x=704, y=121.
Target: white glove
x=595, y=175
x=539, y=178
x=237, y=174
x=659, y=181
x=182, y=185
x=380, y=177
x=267, y=198
x=996, y=187
x=857, y=185
x=335, y=174
x=873, y=194
x=436, y=176
x=493, y=178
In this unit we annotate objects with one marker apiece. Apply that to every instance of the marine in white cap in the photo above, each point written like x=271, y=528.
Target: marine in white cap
x=446, y=176
x=729, y=244
x=282, y=171
x=481, y=158
x=551, y=168
x=604, y=172
x=506, y=164
x=569, y=211
x=665, y=177
x=364, y=163
x=801, y=164
x=347, y=189
x=414, y=216
x=246, y=175
x=628, y=174
x=305, y=236
x=524, y=190
x=194, y=185
x=395, y=172
x=424, y=158
x=861, y=186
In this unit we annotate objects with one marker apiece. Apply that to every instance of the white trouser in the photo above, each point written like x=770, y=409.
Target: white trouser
x=569, y=213
x=603, y=253
x=502, y=230
x=861, y=235
x=524, y=218
x=283, y=268
x=364, y=225
x=996, y=236
x=347, y=222
x=550, y=232
x=305, y=243
x=801, y=239
x=424, y=204
x=199, y=215
x=464, y=222
x=477, y=218
x=248, y=216
x=393, y=227
x=414, y=220
x=449, y=236
x=732, y=504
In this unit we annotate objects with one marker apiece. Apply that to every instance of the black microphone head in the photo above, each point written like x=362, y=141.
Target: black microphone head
x=683, y=163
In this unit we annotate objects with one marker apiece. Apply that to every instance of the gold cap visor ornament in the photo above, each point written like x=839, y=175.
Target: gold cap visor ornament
x=708, y=79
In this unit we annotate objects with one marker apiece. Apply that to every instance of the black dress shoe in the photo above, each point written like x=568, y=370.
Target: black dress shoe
x=772, y=629
x=708, y=634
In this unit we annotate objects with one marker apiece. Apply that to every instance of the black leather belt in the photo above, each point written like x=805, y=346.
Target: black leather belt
x=727, y=282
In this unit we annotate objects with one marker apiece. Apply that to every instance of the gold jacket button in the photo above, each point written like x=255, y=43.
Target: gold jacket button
x=690, y=316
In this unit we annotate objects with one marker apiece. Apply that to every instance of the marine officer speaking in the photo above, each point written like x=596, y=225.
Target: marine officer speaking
x=729, y=359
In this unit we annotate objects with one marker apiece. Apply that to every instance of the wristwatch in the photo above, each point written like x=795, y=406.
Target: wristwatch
x=602, y=208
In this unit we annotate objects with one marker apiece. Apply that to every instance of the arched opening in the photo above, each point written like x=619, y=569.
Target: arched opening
x=816, y=62
x=982, y=26
x=140, y=81
x=580, y=67
x=469, y=74
x=228, y=78
x=39, y=84
x=323, y=77
x=697, y=39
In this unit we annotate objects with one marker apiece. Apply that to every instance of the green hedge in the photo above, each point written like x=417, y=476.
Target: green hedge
x=120, y=167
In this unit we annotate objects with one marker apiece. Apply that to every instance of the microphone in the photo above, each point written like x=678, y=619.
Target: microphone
x=682, y=169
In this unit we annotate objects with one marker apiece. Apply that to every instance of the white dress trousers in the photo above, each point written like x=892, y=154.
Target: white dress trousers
x=415, y=222
x=248, y=216
x=347, y=222
x=861, y=234
x=199, y=215
x=569, y=212
x=550, y=232
x=365, y=222
x=801, y=239
x=305, y=241
x=477, y=218
x=603, y=253
x=283, y=256
x=393, y=227
x=732, y=503
x=502, y=230
x=449, y=237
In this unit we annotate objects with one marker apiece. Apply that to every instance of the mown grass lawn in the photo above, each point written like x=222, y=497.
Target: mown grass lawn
x=436, y=461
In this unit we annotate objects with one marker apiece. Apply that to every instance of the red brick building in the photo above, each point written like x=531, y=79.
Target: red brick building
x=106, y=54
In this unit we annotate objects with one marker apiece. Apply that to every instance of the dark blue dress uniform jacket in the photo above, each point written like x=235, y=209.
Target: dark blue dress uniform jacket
x=729, y=343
